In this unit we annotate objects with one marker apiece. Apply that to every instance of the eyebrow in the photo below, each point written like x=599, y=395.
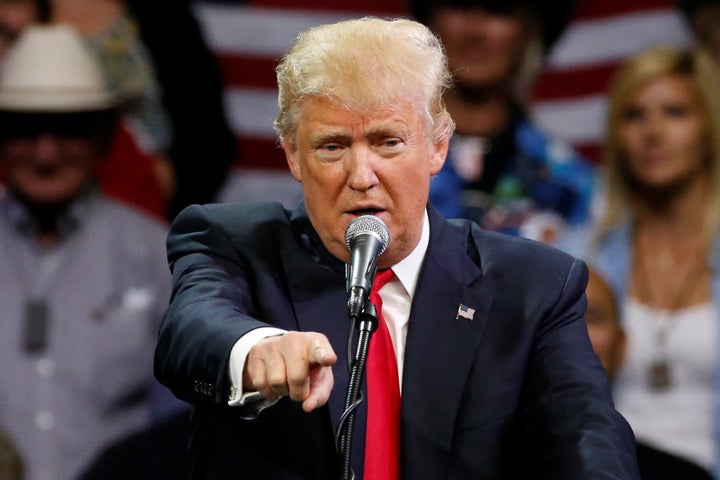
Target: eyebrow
x=340, y=135
x=336, y=136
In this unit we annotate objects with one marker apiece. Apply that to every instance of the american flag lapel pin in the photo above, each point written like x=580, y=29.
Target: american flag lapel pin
x=465, y=312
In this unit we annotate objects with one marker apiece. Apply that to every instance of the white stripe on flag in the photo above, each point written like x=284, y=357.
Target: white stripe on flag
x=257, y=31
x=605, y=40
x=578, y=120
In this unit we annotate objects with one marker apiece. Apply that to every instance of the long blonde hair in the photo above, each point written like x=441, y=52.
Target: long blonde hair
x=700, y=70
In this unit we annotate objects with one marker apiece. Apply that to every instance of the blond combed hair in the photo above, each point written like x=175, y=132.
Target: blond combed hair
x=366, y=64
x=700, y=70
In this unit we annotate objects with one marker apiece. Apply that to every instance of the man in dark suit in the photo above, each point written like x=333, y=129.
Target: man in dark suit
x=498, y=378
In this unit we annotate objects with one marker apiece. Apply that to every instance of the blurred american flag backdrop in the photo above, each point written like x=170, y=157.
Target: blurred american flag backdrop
x=568, y=99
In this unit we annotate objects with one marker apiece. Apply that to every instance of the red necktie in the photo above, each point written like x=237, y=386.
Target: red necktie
x=382, y=439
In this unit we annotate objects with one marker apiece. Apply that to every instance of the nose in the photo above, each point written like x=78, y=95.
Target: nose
x=46, y=147
x=653, y=128
x=657, y=121
x=361, y=169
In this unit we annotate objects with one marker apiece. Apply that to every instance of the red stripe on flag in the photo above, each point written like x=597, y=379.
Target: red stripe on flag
x=260, y=153
x=591, y=151
x=245, y=71
x=596, y=9
x=576, y=82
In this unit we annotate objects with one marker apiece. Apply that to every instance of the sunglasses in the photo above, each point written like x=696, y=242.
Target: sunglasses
x=67, y=125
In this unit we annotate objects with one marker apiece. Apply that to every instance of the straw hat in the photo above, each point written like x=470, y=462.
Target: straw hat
x=50, y=70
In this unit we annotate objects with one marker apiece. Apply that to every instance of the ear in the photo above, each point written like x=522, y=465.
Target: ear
x=438, y=155
x=291, y=155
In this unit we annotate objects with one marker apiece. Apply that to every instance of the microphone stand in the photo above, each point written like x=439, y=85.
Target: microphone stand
x=366, y=323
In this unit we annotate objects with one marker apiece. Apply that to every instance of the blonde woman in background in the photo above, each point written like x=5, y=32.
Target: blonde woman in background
x=657, y=244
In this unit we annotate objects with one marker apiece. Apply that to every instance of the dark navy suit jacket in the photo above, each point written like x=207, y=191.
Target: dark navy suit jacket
x=516, y=392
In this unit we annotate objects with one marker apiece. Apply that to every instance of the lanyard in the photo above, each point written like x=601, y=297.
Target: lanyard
x=36, y=271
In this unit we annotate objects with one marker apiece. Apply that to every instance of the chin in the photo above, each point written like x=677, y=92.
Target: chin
x=662, y=187
x=43, y=198
x=49, y=199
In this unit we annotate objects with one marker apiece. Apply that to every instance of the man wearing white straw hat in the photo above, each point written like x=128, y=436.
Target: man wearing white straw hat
x=84, y=277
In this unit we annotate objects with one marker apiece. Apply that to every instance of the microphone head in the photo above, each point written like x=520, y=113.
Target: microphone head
x=368, y=224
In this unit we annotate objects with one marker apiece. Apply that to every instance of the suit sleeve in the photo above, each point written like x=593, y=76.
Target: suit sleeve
x=210, y=309
x=572, y=427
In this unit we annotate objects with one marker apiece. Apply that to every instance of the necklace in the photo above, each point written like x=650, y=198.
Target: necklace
x=659, y=371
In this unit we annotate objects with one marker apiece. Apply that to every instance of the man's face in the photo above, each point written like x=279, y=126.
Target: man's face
x=484, y=48
x=352, y=164
x=48, y=166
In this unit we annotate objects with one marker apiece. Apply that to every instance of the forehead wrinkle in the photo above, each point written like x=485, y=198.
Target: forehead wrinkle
x=368, y=128
x=387, y=124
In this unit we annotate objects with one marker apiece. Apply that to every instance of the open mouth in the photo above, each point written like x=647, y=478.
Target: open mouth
x=366, y=211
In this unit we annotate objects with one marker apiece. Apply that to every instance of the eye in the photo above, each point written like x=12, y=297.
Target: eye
x=330, y=151
x=632, y=114
x=677, y=111
x=390, y=146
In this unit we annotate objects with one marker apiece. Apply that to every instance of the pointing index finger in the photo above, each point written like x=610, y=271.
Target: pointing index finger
x=321, y=353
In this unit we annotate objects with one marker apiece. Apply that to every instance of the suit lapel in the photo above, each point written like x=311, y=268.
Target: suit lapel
x=316, y=284
x=440, y=342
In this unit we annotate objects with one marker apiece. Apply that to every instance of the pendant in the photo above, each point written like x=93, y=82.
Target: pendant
x=659, y=377
x=35, y=325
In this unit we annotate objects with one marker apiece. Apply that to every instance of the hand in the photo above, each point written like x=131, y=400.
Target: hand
x=297, y=364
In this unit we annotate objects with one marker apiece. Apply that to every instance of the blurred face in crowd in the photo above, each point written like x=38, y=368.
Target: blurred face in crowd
x=606, y=335
x=663, y=134
x=49, y=159
x=375, y=162
x=483, y=48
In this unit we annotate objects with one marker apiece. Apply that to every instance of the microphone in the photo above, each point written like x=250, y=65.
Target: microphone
x=367, y=237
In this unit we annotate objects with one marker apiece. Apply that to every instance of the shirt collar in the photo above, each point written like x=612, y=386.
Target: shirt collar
x=19, y=217
x=408, y=269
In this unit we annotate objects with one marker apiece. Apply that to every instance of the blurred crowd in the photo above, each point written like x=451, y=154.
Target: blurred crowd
x=116, y=114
